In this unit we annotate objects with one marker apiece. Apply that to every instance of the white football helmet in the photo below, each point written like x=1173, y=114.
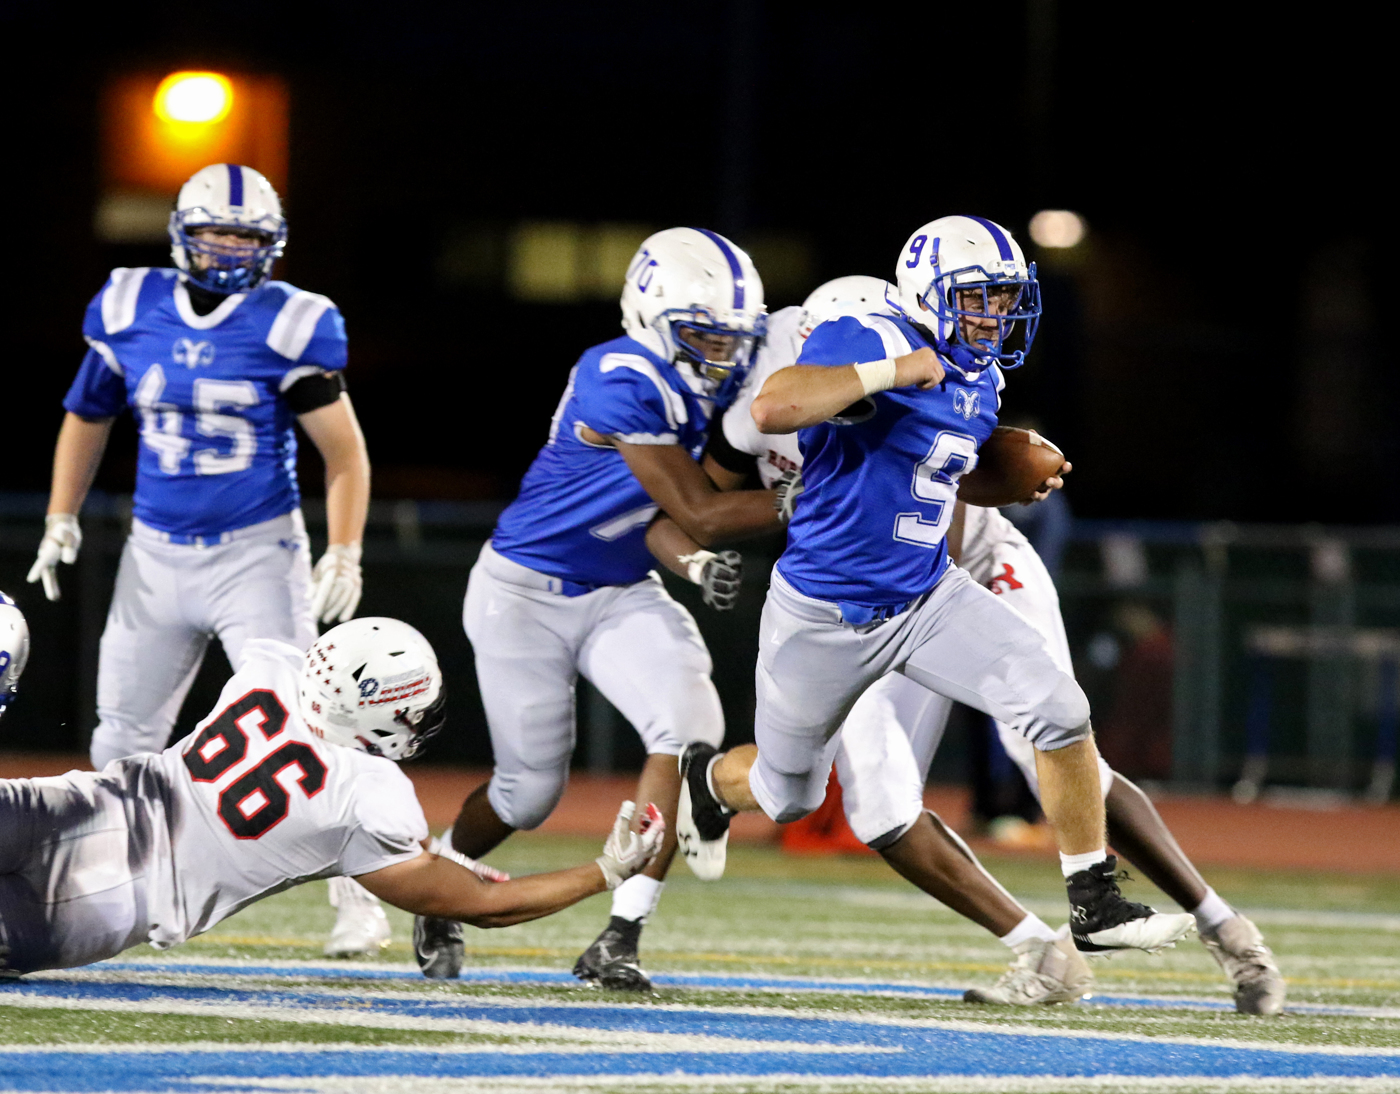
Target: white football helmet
x=694, y=278
x=373, y=684
x=949, y=256
x=227, y=195
x=855, y=294
x=14, y=649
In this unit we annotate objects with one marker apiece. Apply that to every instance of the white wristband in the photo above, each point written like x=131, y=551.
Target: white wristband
x=876, y=375
x=695, y=564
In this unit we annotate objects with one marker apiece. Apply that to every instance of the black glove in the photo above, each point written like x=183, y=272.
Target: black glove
x=720, y=578
x=788, y=488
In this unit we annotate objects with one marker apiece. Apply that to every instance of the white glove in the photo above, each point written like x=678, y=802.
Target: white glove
x=788, y=489
x=628, y=853
x=718, y=575
x=338, y=583
x=480, y=869
x=62, y=538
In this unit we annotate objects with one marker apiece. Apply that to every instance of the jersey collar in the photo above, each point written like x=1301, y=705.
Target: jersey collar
x=204, y=322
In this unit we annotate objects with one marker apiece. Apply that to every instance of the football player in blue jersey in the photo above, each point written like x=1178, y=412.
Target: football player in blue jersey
x=217, y=362
x=566, y=587
x=890, y=411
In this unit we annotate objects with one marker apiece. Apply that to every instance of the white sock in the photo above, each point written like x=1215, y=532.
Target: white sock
x=1211, y=911
x=1072, y=864
x=636, y=897
x=710, y=782
x=1030, y=927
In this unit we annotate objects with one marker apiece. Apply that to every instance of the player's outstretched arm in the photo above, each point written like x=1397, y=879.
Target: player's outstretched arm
x=335, y=432
x=801, y=395
x=718, y=575
x=76, y=456
x=685, y=493
x=439, y=886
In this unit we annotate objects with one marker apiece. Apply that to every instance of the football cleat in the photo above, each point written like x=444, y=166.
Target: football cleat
x=702, y=824
x=1239, y=949
x=361, y=928
x=1102, y=921
x=1044, y=971
x=612, y=962
x=438, y=947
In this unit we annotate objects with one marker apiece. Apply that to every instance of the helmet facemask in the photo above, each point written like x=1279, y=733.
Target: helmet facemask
x=982, y=314
x=735, y=347
x=224, y=267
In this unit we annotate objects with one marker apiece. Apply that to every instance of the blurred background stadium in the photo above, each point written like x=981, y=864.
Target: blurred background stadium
x=467, y=183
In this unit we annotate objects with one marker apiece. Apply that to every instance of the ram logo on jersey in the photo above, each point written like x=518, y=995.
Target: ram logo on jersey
x=190, y=353
x=967, y=403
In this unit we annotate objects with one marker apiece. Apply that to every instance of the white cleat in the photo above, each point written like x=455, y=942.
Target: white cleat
x=1239, y=949
x=361, y=928
x=1043, y=972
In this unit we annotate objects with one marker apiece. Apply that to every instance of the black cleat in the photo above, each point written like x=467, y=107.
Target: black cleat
x=437, y=944
x=1101, y=920
x=702, y=824
x=612, y=962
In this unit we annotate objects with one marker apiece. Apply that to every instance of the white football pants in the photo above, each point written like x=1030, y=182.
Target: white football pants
x=72, y=886
x=634, y=643
x=959, y=640
x=170, y=599
x=892, y=733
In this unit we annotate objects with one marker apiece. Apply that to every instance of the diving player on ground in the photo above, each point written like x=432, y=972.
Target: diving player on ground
x=565, y=587
x=865, y=587
x=216, y=362
x=889, y=739
x=290, y=779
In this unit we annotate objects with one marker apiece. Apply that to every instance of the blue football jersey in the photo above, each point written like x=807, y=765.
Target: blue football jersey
x=881, y=483
x=581, y=515
x=217, y=448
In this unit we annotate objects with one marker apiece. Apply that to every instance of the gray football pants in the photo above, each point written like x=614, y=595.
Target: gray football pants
x=635, y=644
x=170, y=599
x=959, y=640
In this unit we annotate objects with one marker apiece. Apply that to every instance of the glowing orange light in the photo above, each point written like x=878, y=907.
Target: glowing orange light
x=199, y=98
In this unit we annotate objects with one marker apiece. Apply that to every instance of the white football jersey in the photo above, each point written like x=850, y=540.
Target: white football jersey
x=254, y=803
x=984, y=530
x=777, y=452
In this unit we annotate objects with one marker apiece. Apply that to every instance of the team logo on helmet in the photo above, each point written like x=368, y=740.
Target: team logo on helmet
x=368, y=686
x=191, y=354
x=967, y=403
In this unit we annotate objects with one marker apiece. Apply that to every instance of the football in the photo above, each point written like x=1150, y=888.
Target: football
x=1010, y=467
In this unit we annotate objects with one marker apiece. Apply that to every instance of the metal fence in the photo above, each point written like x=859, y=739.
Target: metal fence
x=1262, y=658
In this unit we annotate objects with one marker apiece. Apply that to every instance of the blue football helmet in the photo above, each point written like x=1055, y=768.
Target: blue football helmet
x=239, y=201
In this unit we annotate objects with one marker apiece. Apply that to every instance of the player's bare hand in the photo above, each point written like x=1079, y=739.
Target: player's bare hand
x=62, y=539
x=921, y=369
x=1054, y=482
x=628, y=853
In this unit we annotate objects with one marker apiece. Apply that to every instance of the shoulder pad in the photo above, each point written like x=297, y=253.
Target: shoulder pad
x=296, y=320
x=120, y=296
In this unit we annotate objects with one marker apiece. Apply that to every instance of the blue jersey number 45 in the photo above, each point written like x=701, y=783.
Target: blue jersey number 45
x=935, y=483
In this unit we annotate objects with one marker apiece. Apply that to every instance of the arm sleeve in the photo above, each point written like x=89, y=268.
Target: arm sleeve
x=98, y=391
x=313, y=391
x=391, y=827
x=722, y=451
x=625, y=396
x=844, y=341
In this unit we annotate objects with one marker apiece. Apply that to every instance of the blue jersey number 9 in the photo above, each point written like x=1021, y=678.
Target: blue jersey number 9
x=936, y=476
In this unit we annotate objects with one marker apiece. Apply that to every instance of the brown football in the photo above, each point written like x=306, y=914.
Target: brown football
x=1010, y=467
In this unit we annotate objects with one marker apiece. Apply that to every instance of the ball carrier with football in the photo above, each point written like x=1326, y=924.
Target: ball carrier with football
x=865, y=586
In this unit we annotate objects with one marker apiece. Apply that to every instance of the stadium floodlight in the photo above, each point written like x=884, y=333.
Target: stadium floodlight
x=198, y=98
x=1058, y=228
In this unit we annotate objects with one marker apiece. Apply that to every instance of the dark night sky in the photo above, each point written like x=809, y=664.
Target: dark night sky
x=1218, y=351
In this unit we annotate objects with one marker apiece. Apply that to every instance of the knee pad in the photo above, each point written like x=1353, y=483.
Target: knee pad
x=1061, y=718
x=785, y=797
x=525, y=798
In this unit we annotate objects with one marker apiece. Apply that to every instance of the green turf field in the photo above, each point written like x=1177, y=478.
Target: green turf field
x=847, y=919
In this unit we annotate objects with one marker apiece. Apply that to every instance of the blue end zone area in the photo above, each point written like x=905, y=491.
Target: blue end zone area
x=590, y=1039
